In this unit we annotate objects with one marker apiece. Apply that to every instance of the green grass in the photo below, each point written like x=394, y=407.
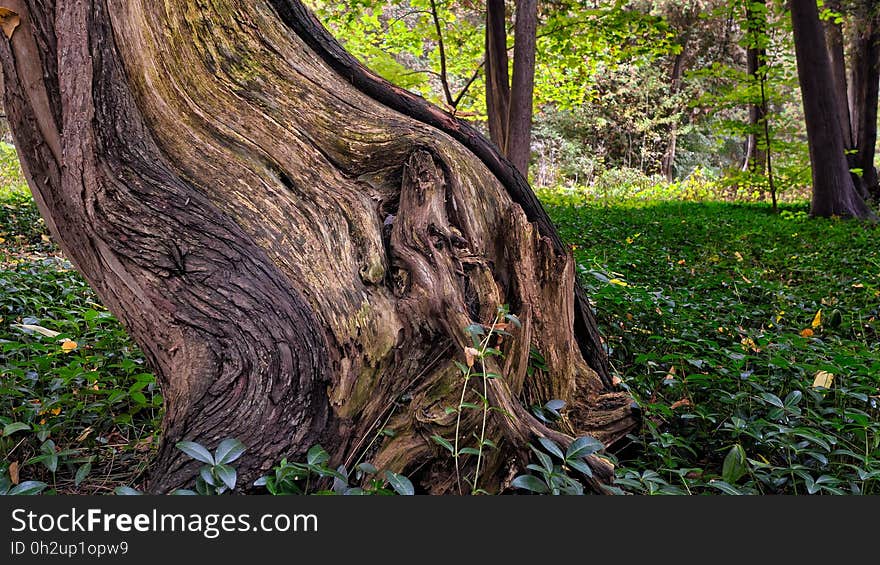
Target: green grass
x=704, y=307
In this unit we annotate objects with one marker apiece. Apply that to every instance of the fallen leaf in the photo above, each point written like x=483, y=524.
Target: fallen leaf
x=45, y=238
x=680, y=403
x=469, y=355
x=738, y=255
x=618, y=282
x=615, y=380
x=671, y=374
x=806, y=332
x=85, y=433
x=68, y=345
x=817, y=319
x=9, y=20
x=13, y=472
x=35, y=328
x=823, y=379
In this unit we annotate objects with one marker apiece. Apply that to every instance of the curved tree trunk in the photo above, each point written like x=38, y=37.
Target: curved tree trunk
x=296, y=244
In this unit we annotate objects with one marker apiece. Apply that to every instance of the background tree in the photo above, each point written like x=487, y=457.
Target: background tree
x=297, y=245
x=864, y=81
x=834, y=192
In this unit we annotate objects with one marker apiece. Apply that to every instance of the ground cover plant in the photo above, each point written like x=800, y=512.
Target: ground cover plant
x=749, y=339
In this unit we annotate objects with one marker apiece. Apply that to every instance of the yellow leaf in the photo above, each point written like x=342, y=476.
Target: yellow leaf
x=9, y=20
x=807, y=332
x=55, y=411
x=817, y=319
x=2, y=241
x=823, y=379
x=85, y=433
x=45, y=238
x=68, y=345
x=738, y=255
x=618, y=282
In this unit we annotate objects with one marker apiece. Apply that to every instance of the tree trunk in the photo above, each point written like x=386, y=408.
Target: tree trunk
x=522, y=91
x=837, y=60
x=497, y=73
x=667, y=164
x=756, y=56
x=833, y=190
x=865, y=84
x=296, y=244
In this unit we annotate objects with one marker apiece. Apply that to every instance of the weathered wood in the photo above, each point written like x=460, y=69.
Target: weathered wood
x=296, y=245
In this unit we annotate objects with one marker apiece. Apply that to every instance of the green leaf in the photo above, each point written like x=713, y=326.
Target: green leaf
x=793, y=398
x=530, y=482
x=184, y=492
x=400, y=484
x=771, y=398
x=28, y=488
x=583, y=446
x=10, y=429
x=735, y=465
x=443, y=442
x=367, y=468
x=261, y=482
x=82, y=473
x=580, y=465
x=551, y=447
x=196, y=451
x=207, y=475
x=724, y=487
x=228, y=451
x=317, y=456
x=226, y=474
x=469, y=451
x=126, y=491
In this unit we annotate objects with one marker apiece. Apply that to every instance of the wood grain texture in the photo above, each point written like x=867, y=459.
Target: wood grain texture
x=296, y=254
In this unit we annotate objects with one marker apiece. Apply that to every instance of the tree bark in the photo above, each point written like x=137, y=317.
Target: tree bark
x=833, y=190
x=522, y=91
x=756, y=56
x=497, y=73
x=865, y=85
x=837, y=59
x=296, y=244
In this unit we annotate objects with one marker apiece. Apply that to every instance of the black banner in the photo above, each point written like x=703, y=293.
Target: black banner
x=262, y=529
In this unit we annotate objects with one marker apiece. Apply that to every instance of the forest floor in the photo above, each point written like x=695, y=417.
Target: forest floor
x=750, y=340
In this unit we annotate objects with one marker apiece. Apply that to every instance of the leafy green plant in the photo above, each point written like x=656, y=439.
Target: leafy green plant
x=217, y=475
x=311, y=476
x=475, y=367
x=552, y=472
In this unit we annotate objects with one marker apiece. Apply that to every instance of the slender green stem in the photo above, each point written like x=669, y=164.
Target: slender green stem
x=484, y=345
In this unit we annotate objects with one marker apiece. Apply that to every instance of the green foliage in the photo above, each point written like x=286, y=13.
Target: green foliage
x=710, y=314
x=552, y=474
x=313, y=477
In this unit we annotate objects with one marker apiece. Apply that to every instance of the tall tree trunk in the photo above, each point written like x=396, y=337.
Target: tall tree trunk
x=296, y=244
x=522, y=92
x=864, y=81
x=837, y=59
x=667, y=164
x=833, y=190
x=497, y=73
x=756, y=57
